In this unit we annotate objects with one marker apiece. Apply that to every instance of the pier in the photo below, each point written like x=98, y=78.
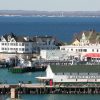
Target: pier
x=14, y=89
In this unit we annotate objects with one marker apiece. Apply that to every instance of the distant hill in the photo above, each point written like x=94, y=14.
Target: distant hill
x=49, y=13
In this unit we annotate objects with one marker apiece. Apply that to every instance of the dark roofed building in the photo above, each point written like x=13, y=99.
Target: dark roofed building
x=75, y=69
x=73, y=73
x=11, y=43
x=45, y=43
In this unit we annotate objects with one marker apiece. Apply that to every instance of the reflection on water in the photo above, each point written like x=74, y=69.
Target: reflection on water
x=57, y=97
x=53, y=97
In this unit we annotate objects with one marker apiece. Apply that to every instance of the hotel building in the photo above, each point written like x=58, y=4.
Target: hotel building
x=85, y=46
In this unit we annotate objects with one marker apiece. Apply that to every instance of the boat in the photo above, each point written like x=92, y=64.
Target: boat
x=27, y=67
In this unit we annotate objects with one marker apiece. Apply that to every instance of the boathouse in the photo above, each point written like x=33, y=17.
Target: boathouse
x=73, y=73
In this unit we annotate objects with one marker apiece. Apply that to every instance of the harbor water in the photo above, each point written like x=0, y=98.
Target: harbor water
x=11, y=78
x=54, y=97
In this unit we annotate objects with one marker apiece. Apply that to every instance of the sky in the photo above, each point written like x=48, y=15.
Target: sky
x=51, y=5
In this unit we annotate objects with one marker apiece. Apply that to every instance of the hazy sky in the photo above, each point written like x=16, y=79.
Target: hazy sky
x=51, y=5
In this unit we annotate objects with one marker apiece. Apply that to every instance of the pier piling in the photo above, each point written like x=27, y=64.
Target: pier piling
x=14, y=90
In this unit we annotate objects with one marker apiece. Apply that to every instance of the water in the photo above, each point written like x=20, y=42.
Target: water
x=63, y=28
x=56, y=97
x=61, y=97
x=13, y=78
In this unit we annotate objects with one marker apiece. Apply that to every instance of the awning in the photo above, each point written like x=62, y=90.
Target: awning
x=43, y=78
x=93, y=55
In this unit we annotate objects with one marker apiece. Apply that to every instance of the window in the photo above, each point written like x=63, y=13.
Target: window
x=85, y=50
x=5, y=48
x=71, y=49
x=11, y=48
x=97, y=50
x=16, y=48
x=16, y=44
x=22, y=44
x=26, y=44
x=62, y=48
x=2, y=48
x=2, y=43
x=19, y=49
x=49, y=42
x=80, y=50
x=26, y=49
x=92, y=50
x=22, y=49
x=11, y=43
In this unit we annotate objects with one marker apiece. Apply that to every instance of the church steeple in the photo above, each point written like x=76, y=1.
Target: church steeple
x=83, y=36
x=84, y=40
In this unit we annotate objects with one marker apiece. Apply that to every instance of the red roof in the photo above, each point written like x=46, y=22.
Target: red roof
x=93, y=55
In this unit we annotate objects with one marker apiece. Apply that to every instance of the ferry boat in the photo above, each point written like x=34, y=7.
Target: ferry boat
x=27, y=67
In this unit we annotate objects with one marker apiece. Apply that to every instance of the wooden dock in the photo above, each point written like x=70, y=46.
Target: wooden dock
x=47, y=89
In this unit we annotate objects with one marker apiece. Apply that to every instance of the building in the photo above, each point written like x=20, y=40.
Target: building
x=12, y=44
x=86, y=45
x=56, y=55
x=80, y=73
x=45, y=43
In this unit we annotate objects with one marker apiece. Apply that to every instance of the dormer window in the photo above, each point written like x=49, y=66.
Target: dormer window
x=3, y=39
x=9, y=38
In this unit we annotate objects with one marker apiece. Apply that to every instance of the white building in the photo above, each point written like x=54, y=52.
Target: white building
x=55, y=54
x=85, y=47
x=9, y=43
x=62, y=74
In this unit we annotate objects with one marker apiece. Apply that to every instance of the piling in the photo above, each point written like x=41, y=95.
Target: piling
x=13, y=93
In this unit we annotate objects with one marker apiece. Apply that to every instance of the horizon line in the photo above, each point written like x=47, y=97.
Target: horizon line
x=51, y=10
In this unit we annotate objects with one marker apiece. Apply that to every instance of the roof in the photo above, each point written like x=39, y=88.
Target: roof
x=43, y=78
x=93, y=55
x=17, y=38
x=91, y=35
x=21, y=39
x=45, y=38
x=75, y=68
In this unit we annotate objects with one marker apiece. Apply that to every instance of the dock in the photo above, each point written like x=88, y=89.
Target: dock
x=47, y=89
